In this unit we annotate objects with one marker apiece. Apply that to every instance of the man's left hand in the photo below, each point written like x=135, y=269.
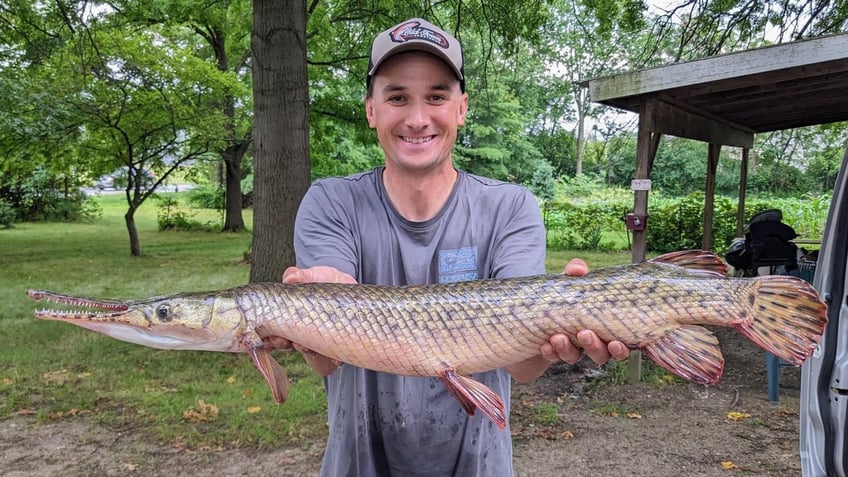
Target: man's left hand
x=561, y=348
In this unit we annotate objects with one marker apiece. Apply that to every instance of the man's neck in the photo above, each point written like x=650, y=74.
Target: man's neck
x=419, y=196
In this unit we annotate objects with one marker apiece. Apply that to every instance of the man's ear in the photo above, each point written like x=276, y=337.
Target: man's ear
x=369, y=111
x=463, y=110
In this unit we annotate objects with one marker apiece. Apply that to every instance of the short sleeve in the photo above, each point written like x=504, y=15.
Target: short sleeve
x=323, y=233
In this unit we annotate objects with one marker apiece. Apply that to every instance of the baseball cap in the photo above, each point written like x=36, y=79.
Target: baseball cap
x=416, y=34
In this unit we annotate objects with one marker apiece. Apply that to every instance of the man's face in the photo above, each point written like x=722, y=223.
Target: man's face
x=416, y=106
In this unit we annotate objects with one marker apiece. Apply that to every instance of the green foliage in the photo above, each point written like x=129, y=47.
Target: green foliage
x=171, y=216
x=582, y=212
x=41, y=194
x=652, y=373
x=207, y=196
x=678, y=223
x=7, y=214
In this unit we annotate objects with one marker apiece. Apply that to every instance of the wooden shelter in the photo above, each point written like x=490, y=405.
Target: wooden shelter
x=724, y=100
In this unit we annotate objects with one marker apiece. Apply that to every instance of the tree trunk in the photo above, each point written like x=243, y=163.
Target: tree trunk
x=281, y=132
x=135, y=243
x=233, y=219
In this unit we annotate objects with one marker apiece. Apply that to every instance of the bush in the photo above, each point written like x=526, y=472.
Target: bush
x=677, y=224
x=207, y=196
x=7, y=214
x=582, y=225
x=42, y=194
x=171, y=216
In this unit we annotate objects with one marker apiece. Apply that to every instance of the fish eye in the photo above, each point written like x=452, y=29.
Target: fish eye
x=163, y=312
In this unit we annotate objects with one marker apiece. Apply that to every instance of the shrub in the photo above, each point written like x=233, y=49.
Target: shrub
x=7, y=214
x=171, y=216
x=207, y=196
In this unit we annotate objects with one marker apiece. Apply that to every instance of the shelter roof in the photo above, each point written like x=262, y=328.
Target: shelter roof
x=727, y=98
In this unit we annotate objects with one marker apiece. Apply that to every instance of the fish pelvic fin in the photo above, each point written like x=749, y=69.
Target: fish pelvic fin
x=689, y=351
x=695, y=261
x=787, y=317
x=271, y=370
x=473, y=394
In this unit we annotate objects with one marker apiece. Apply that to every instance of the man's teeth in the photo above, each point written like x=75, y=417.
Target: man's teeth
x=418, y=140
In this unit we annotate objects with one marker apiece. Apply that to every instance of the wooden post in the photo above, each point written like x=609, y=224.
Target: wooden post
x=709, y=196
x=743, y=186
x=647, y=143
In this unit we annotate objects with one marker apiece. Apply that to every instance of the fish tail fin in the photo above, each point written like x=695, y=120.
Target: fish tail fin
x=702, y=261
x=787, y=317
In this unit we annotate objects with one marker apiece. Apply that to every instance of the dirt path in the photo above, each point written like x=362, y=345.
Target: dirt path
x=641, y=430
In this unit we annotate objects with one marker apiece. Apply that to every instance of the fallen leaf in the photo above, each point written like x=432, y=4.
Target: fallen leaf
x=634, y=415
x=737, y=416
x=203, y=412
x=253, y=409
x=231, y=379
x=6, y=381
x=26, y=412
x=728, y=465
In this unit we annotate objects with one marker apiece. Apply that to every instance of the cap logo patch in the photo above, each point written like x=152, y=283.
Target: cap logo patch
x=414, y=31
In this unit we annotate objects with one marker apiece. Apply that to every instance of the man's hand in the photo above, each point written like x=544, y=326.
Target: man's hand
x=560, y=348
x=321, y=364
x=320, y=274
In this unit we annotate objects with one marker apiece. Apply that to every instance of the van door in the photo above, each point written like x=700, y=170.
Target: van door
x=824, y=377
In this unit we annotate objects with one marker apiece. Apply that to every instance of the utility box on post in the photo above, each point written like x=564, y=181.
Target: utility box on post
x=635, y=221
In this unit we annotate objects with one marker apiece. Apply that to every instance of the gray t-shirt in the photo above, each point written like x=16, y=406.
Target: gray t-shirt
x=388, y=425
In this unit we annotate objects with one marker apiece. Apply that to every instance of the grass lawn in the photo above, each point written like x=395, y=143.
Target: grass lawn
x=58, y=371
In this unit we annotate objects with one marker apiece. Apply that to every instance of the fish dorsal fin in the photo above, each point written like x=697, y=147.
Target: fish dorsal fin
x=698, y=262
x=691, y=352
x=473, y=394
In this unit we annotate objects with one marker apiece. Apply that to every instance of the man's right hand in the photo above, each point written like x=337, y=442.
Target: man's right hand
x=321, y=364
x=321, y=273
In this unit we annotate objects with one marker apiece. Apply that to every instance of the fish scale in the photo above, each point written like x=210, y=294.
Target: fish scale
x=457, y=329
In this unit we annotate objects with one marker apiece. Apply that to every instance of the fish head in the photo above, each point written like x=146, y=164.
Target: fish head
x=190, y=321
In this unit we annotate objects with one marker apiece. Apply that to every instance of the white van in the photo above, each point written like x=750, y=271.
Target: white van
x=824, y=377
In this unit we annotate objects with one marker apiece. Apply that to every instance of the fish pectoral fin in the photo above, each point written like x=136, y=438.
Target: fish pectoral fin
x=271, y=370
x=691, y=352
x=473, y=394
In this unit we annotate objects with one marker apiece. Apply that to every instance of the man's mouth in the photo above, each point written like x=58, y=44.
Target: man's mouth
x=418, y=140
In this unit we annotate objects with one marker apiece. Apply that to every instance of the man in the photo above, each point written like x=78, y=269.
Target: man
x=418, y=220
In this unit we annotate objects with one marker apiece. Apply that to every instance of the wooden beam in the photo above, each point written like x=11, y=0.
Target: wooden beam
x=675, y=121
x=797, y=54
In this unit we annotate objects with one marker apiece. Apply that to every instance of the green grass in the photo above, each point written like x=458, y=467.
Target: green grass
x=556, y=259
x=58, y=371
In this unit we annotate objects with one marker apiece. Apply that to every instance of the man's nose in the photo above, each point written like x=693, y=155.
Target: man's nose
x=417, y=115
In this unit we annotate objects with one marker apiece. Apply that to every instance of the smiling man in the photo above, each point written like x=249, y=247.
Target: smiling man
x=418, y=220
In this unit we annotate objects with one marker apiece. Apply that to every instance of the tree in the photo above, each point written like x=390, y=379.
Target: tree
x=224, y=31
x=142, y=107
x=281, y=132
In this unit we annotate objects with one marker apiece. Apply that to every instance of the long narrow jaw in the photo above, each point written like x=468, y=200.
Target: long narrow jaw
x=188, y=321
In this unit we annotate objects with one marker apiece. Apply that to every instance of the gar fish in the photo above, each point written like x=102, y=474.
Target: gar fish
x=453, y=330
